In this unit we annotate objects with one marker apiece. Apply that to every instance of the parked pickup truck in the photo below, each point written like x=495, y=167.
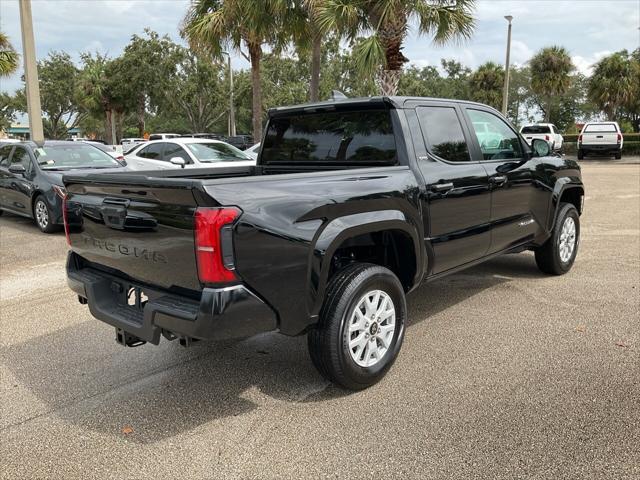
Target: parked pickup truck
x=544, y=131
x=600, y=138
x=353, y=204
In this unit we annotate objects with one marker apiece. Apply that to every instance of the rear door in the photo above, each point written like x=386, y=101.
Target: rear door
x=457, y=192
x=150, y=157
x=518, y=205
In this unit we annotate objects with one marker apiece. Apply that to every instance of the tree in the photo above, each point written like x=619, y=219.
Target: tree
x=211, y=25
x=8, y=108
x=486, y=84
x=103, y=83
x=149, y=62
x=9, y=58
x=59, y=94
x=385, y=25
x=196, y=93
x=550, y=75
x=613, y=87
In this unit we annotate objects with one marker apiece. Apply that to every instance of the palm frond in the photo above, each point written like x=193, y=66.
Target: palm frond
x=369, y=54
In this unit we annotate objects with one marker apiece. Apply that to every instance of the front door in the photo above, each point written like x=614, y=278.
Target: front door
x=5, y=176
x=518, y=202
x=18, y=186
x=457, y=193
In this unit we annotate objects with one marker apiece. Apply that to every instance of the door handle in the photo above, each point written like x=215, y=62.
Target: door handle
x=498, y=179
x=442, y=187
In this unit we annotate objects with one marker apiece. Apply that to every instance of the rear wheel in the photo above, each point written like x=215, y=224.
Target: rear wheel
x=42, y=215
x=557, y=254
x=618, y=155
x=580, y=154
x=361, y=326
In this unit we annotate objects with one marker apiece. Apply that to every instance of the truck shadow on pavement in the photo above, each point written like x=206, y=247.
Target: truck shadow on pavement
x=81, y=376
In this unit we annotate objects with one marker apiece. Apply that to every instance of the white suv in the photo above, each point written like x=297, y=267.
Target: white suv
x=544, y=131
x=600, y=137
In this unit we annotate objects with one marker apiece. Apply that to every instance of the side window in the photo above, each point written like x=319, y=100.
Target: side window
x=4, y=155
x=20, y=155
x=443, y=133
x=152, y=152
x=172, y=150
x=497, y=140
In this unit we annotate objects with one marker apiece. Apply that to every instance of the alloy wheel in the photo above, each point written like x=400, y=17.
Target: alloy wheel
x=371, y=328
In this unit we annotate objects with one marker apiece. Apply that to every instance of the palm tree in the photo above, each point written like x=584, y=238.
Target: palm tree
x=385, y=23
x=9, y=58
x=611, y=87
x=551, y=71
x=308, y=32
x=210, y=26
x=486, y=84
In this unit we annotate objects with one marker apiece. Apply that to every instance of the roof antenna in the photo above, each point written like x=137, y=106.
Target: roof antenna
x=337, y=95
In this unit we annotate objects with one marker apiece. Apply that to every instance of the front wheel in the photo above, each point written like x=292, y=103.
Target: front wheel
x=361, y=326
x=557, y=254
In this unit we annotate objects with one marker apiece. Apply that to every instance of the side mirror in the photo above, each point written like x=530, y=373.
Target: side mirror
x=17, y=168
x=540, y=147
x=178, y=161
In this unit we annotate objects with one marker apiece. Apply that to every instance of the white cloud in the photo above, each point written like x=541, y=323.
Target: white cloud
x=585, y=65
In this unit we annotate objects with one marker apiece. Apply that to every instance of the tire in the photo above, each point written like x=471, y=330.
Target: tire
x=618, y=155
x=42, y=215
x=358, y=368
x=580, y=155
x=557, y=254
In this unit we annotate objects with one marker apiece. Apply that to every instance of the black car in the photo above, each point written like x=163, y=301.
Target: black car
x=31, y=177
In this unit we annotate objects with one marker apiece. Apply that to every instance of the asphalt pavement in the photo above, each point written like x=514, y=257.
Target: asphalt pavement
x=504, y=373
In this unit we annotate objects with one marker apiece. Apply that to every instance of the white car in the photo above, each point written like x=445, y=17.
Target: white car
x=544, y=131
x=604, y=138
x=253, y=151
x=186, y=153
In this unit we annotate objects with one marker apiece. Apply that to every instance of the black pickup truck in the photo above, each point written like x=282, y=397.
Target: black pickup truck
x=352, y=204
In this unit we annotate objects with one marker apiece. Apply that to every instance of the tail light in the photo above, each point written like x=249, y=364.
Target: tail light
x=580, y=138
x=214, y=244
x=66, y=220
x=619, y=137
x=546, y=137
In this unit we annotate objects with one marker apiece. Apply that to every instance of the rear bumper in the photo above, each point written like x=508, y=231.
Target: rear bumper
x=600, y=148
x=221, y=313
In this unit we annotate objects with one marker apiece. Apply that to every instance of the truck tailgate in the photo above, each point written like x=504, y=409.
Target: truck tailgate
x=600, y=138
x=143, y=231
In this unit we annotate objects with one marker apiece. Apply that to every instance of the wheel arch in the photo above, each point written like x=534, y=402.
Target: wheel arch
x=566, y=190
x=387, y=238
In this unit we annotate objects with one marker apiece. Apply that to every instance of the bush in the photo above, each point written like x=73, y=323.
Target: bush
x=628, y=148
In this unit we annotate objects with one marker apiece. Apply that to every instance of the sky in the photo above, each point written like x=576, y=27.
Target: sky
x=588, y=29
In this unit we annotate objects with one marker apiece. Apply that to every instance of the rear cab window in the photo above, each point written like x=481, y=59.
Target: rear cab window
x=331, y=139
x=535, y=129
x=601, y=128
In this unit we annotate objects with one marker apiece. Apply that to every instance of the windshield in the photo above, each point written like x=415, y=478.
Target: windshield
x=533, y=129
x=70, y=156
x=216, y=152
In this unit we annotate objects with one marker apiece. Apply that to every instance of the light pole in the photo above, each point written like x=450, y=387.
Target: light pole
x=31, y=73
x=505, y=92
x=232, y=112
